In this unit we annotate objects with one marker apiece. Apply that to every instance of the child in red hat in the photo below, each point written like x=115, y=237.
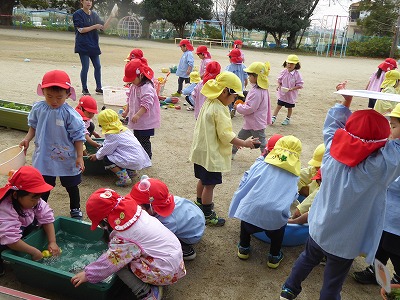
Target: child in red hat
x=347, y=216
x=376, y=79
x=213, y=68
x=184, y=218
x=143, y=109
x=205, y=56
x=87, y=108
x=142, y=252
x=59, y=134
x=136, y=53
x=185, y=66
x=22, y=210
x=238, y=44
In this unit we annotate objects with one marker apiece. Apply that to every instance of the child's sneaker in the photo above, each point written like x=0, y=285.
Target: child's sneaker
x=273, y=119
x=76, y=213
x=274, y=261
x=85, y=92
x=366, y=277
x=287, y=294
x=176, y=94
x=323, y=261
x=243, y=252
x=214, y=220
x=286, y=122
x=154, y=294
x=189, y=253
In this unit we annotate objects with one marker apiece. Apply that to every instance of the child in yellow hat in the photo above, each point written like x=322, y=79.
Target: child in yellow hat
x=121, y=151
x=262, y=209
x=187, y=91
x=389, y=85
x=289, y=83
x=213, y=138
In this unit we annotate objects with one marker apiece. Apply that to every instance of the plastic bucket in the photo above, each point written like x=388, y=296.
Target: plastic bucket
x=12, y=158
x=295, y=235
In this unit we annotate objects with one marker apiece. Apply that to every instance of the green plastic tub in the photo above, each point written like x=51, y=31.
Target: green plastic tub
x=79, y=245
x=93, y=167
x=14, y=115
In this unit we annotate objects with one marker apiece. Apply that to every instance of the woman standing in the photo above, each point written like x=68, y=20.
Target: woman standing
x=87, y=23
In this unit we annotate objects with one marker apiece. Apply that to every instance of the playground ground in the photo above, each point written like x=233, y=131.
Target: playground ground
x=216, y=273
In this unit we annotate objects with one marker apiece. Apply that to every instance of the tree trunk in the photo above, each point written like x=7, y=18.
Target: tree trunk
x=6, y=9
x=292, y=40
x=264, y=42
x=180, y=29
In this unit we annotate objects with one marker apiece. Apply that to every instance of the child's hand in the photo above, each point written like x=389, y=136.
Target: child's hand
x=135, y=119
x=96, y=135
x=37, y=255
x=252, y=143
x=341, y=86
x=80, y=164
x=296, y=214
x=93, y=157
x=24, y=143
x=54, y=249
x=79, y=278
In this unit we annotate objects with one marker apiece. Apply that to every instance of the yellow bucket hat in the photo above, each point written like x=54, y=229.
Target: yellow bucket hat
x=262, y=71
x=316, y=159
x=214, y=87
x=286, y=154
x=109, y=122
x=292, y=59
x=390, y=78
x=395, y=112
x=195, y=77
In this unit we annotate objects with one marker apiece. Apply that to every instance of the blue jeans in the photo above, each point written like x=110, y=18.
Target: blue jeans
x=85, y=69
x=335, y=272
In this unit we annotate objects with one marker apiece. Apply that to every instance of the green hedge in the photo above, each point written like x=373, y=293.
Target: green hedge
x=373, y=47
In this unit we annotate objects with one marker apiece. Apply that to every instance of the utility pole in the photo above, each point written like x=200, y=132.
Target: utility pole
x=393, y=50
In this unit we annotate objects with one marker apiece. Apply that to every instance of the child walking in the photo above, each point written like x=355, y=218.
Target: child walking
x=87, y=108
x=256, y=110
x=376, y=79
x=213, y=68
x=205, y=56
x=342, y=224
x=143, y=108
x=237, y=67
x=213, y=139
x=185, y=65
x=121, y=151
x=187, y=91
x=142, y=252
x=389, y=245
x=389, y=85
x=22, y=210
x=59, y=134
x=184, y=218
x=238, y=44
x=268, y=209
x=289, y=83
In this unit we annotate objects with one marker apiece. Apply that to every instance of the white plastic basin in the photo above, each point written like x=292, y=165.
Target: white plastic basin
x=11, y=159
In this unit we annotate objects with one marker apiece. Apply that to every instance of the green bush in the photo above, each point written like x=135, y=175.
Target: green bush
x=212, y=32
x=373, y=47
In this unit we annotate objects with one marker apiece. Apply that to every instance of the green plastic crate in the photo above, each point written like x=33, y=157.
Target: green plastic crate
x=50, y=278
x=14, y=118
x=93, y=167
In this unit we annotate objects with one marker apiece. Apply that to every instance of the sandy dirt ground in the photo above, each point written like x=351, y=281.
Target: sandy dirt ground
x=216, y=273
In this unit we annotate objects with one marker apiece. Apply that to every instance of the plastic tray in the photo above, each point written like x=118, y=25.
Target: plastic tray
x=115, y=95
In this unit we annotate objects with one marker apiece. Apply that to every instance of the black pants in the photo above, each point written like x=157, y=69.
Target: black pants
x=389, y=248
x=144, y=140
x=180, y=83
x=276, y=236
x=71, y=185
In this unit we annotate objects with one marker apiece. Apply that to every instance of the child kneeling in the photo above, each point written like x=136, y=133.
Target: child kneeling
x=143, y=252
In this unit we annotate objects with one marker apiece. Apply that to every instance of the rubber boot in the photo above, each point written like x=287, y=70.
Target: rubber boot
x=124, y=179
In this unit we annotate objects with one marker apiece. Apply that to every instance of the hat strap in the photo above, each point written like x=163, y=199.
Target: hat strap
x=115, y=206
x=366, y=141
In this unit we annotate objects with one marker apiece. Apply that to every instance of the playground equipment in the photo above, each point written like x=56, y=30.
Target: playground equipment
x=200, y=23
x=333, y=37
x=129, y=27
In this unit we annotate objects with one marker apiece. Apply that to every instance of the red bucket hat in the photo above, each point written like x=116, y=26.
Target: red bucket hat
x=365, y=132
x=187, y=44
x=136, y=67
x=213, y=68
x=203, y=50
x=121, y=212
x=317, y=176
x=235, y=56
x=388, y=65
x=89, y=104
x=237, y=42
x=27, y=179
x=272, y=141
x=56, y=78
x=154, y=192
